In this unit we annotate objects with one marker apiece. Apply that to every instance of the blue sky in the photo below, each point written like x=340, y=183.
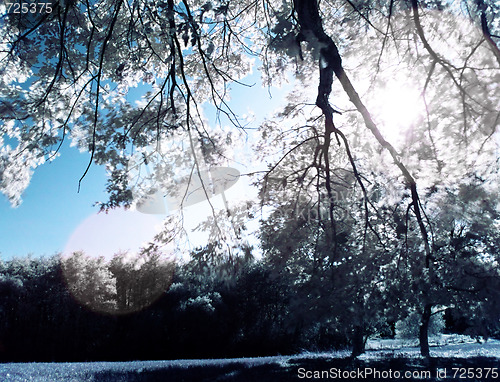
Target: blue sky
x=54, y=217
x=52, y=208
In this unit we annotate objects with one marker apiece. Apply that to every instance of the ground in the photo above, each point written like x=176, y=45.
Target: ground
x=454, y=358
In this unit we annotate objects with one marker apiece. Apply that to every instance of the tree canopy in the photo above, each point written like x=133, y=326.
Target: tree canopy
x=67, y=74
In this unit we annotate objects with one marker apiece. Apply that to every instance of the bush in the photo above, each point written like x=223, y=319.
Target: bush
x=409, y=327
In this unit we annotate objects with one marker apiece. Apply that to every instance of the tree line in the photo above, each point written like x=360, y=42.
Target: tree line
x=79, y=308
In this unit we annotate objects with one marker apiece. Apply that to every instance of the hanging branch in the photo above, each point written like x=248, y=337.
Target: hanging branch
x=311, y=30
x=486, y=30
x=101, y=63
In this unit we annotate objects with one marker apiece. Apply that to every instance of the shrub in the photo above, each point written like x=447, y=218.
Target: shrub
x=408, y=328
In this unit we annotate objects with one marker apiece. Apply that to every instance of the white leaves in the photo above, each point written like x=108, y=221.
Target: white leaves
x=16, y=169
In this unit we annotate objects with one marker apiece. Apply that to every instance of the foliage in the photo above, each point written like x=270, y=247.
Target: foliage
x=408, y=328
x=259, y=311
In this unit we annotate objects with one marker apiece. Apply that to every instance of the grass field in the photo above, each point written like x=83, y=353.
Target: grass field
x=453, y=359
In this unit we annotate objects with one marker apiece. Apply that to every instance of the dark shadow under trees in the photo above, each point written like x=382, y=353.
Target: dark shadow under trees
x=256, y=311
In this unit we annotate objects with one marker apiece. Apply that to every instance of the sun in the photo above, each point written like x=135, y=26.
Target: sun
x=398, y=108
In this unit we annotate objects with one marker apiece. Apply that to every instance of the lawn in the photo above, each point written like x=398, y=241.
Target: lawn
x=454, y=358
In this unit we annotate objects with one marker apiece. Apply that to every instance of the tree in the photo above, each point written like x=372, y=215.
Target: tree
x=67, y=73
x=421, y=150
x=90, y=282
x=140, y=280
x=123, y=284
x=467, y=254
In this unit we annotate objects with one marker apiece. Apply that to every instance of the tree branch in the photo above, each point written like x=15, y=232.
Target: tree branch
x=311, y=27
x=101, y=63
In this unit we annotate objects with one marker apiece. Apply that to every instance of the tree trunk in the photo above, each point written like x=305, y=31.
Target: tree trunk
x=424, y=331
x=358, y=341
